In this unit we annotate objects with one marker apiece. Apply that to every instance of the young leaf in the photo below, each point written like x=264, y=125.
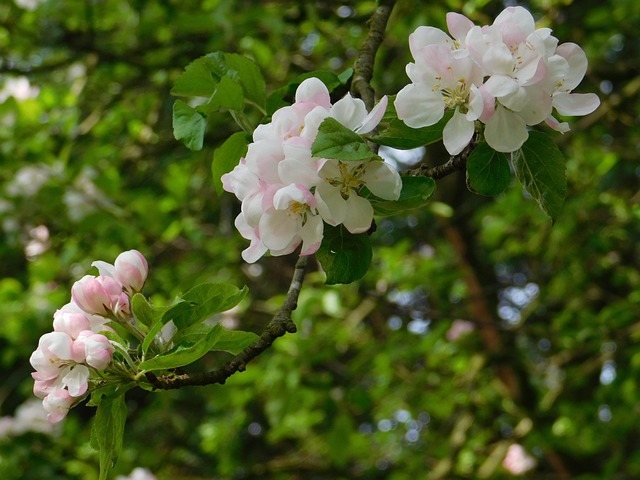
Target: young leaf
x=540, y=168
x=227, y=156
x=334, y=140
x=188, y=125
x=203, y=301
x=145, y=312
x=488, y=171
x=232, y=341
x=399, y=135
x=345, y=257
x=108, y=430
x=185, y=352
x=416, y=192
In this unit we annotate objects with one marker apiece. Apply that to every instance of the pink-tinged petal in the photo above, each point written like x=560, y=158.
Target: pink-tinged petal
x=532, y=72
x=131, y=270
x=578, y=64
x=489, y=104
x=457, y=133
x=311, y=234
x=418, y=106
x=312, y=123
x=314, y=91
x=382, y=180
x=331, y=205
x=359, y=214
x=278, y=229
x=262, y=159
x=506, y=131
x=424, y=36
x=458, y=25
x=76, y=379
x=515, y=24
x=295, y=192
x=298, y=166
x=57, y=404
x=562, y=127
x=372, y=120
x=575, y=103
x=257, y=249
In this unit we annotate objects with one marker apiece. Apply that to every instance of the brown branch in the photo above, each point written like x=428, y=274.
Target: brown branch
x=454, y=164
x=363, y=67
x=280, y=324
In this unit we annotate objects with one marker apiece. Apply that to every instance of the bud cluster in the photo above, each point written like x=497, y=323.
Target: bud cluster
x=77, y=346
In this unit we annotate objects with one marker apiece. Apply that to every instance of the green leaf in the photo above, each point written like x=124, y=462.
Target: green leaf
x=540, y=168
x=232, y=341
x=488, y=171
x=227, y=156
x=416, y=192
x=250, y=77
x=188, y=125
x=345, y=256
x=334, y=140
x=187, y=351
x=148, y=339
x=235, y=341
x=203, y=301
x=107, y=431
x=399, y=135
x=197, y=80
x=145, y=312
x=227, y=96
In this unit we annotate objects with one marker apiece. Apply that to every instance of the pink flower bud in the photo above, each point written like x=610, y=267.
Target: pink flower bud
x=97, y=348
x=131, y=269
x=57, y=404
x=54, y=350
x=98, y=295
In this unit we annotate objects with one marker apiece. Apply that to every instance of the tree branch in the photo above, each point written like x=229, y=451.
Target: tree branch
x=280, y=324
x=455, y=163
x=363, y=67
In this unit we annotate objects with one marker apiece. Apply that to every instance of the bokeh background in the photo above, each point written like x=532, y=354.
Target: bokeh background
x=483, y=337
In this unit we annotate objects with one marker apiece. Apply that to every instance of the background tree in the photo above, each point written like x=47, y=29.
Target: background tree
x=380, y=381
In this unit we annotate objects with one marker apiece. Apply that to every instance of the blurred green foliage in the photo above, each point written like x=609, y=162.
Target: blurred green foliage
x=375, y=384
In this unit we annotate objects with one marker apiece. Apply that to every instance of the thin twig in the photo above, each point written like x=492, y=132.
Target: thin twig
x=280, y=324
x=363, y=67
x=455, y=163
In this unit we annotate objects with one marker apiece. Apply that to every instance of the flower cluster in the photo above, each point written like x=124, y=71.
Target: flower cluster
x=287, y=194
x=65, y=357
x=507, y=75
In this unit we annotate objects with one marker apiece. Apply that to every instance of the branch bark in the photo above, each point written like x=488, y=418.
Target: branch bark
x=454, y=164
x=363, y=67
x=280, y=324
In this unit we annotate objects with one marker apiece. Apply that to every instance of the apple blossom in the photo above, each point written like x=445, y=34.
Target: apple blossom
x=507, y=76
x=280, y=182
x=57, y=404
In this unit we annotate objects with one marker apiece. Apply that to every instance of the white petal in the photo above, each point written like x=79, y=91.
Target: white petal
x=458, y=25
x=577, y=61
x=501, y=85
x=104, y=269
x=575, y=103
x=382, y=180
x=418, y=106
x=372, y=120
x=359, y=214
x=506, y=131
x=457, y=133
x=76, y=380
x=349, y=111
x=311, y=235
x=424, y=36
x=278, y=228
x=331, y=205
